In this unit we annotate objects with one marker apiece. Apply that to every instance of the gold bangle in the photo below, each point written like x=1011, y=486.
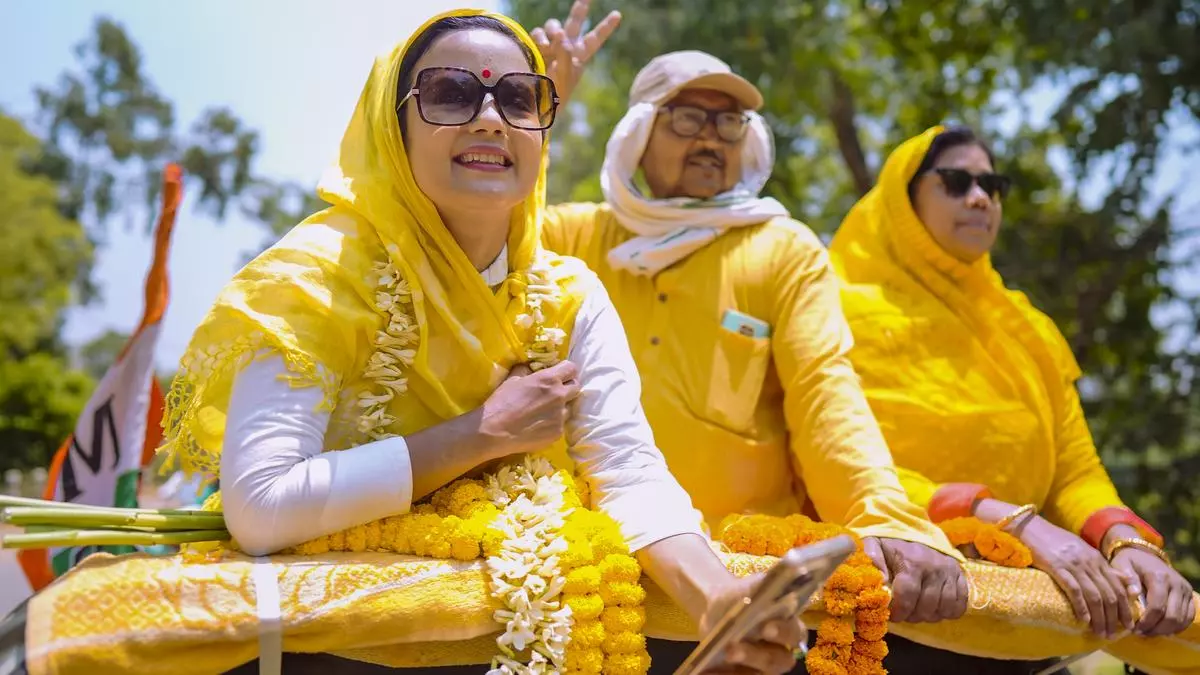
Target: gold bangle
x=1136, y=542
x=1028, y=509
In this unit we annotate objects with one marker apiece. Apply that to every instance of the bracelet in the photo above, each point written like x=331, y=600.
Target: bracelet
x=1099, y=523
x=1028, y=509
x=1136, y=542
x=955, y=500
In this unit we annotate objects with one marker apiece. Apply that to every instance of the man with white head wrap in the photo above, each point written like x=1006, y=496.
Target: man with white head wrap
x=733, y=314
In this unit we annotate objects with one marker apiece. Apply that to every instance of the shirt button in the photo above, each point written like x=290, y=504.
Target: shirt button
x=654, y=340
x=662, y=297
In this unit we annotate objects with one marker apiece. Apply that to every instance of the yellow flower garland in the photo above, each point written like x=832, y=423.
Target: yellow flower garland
x=992, y=543
x=850, y=641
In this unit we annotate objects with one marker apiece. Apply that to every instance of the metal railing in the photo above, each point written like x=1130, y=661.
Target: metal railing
x=24, y=484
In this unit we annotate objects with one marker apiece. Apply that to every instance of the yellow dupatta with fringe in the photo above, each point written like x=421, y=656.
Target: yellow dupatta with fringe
x=320, y=297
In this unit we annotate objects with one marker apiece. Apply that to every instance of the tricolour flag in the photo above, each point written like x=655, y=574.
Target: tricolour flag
x=101, y=463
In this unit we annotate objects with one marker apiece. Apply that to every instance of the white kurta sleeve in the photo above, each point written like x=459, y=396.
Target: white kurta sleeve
x=278, y=488
x=610, y=439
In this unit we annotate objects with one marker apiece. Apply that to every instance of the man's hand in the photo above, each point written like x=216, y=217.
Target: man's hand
x=927, y=586
x=567, y=51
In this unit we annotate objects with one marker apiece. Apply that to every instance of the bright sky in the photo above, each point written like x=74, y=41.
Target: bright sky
x=292, y=70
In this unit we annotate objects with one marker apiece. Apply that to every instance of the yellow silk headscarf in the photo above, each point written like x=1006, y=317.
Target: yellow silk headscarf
x=891, y=267
x=313, y=297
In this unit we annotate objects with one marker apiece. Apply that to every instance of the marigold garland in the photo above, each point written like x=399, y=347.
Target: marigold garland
x=850, y=641
x=605, y=594
x=993, y=544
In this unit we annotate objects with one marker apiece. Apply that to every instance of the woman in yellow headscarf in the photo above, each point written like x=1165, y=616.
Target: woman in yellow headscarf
x=418, y=327
x=975, y=388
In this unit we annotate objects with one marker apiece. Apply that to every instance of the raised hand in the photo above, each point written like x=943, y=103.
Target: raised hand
x=567, y=50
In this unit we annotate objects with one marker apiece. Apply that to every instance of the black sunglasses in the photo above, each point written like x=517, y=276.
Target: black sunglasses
x=688, y=121
x=450, y=97
x=958, y=182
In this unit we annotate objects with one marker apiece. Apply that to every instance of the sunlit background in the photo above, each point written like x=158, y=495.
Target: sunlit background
x=1091, y=106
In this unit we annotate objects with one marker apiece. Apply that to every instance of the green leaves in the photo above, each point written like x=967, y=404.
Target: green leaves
x=41, y=252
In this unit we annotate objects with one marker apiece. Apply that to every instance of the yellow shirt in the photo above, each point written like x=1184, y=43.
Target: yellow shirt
x=751, y=425
x=970, y=383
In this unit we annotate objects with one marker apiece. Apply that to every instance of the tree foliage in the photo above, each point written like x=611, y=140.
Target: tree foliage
x=1084, y=233
x=41, y=253
x=101, y=352
x=109, y=132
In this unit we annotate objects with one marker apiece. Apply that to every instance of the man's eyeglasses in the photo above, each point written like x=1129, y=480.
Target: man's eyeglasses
x=688, y=121
x=450, y=97
x=958, y=182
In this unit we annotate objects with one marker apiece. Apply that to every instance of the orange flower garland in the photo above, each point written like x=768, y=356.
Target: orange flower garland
x=850, y=641
x=994, y=545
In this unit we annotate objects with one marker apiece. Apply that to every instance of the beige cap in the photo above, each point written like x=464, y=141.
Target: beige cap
x=668, y=74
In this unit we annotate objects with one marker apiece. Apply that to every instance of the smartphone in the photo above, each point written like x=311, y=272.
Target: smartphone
x=744, y=324
x=785, y=591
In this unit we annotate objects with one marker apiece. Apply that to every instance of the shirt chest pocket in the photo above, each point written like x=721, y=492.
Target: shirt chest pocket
x=739, y=366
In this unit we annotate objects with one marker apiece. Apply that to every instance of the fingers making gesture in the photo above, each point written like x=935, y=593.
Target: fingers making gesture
x=567, y=50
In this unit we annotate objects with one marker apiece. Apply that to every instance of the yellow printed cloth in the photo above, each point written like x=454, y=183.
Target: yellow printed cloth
x=314, y=298
x=149, y=615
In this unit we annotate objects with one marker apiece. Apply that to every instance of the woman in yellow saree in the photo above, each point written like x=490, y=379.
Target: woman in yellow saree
x=416, y=330
x=974, y=388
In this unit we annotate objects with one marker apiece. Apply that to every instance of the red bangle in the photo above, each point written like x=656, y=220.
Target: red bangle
x=956, y=500
x=1098, y=524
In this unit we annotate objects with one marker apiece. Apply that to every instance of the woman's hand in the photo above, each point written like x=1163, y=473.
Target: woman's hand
x=769, y=650
x=566, y=52
x=1094, y=588
x=528, y=411
x=1170, y=606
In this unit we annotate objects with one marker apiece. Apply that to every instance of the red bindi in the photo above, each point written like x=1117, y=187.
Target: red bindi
x=486, y=73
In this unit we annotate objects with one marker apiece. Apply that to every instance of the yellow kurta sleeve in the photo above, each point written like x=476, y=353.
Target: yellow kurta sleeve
x=842, y=456
x=920, y=489
x=1081, y=485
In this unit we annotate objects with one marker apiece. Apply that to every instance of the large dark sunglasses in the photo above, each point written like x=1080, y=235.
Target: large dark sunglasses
x=450, y=97
x=958, y=182
x=688, y=121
